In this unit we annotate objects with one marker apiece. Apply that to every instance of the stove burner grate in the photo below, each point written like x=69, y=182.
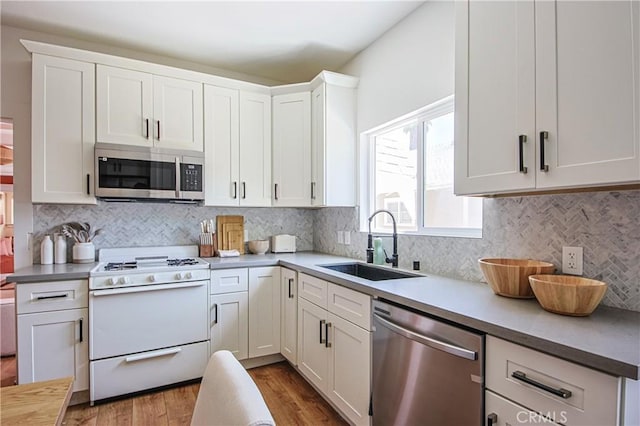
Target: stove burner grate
x=120, y=266
x=181, y=262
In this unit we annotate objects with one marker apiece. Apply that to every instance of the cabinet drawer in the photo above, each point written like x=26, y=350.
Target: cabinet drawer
x=350, y=305
x=313, y=289
x=593, y=396
x=51, y=296
x=229, y=280
x=508, y=413
x=147, y=370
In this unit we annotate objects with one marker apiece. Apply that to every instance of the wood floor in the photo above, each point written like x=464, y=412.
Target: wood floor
x=291, y=400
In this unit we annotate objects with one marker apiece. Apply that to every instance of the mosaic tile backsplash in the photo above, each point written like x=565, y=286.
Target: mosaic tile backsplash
x=157, y=224
x=605, y=224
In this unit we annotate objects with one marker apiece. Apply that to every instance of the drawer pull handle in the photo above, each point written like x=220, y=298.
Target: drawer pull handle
x=290, y=283
x=154, y=354
x=81, y=330
x=56, y=296
x=562, y=393
x=322, y=322
x=492, y=419
x=327, y=343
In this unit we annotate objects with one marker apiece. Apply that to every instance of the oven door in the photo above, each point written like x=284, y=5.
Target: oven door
x=135, y=319
x=136, y=174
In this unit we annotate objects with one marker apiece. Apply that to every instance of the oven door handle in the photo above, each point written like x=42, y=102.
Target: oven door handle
x=145, y=288
x=428, y=341
x=154, y=354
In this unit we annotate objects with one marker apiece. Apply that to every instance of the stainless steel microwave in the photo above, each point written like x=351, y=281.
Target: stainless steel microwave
x=132, y=172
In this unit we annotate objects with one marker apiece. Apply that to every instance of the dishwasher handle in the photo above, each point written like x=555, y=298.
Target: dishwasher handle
x=429, y=341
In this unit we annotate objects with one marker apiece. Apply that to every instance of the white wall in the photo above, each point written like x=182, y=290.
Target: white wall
x=410, y=66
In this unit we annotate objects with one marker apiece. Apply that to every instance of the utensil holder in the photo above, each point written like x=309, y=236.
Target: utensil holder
x=207, y=250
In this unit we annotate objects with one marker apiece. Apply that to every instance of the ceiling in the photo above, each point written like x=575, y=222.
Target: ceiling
x=287, y=41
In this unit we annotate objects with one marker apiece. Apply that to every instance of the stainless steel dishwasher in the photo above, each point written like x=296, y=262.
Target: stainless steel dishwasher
x=425, y=372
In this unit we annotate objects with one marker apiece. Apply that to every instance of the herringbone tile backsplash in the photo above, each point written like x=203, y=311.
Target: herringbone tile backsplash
x=606, y=224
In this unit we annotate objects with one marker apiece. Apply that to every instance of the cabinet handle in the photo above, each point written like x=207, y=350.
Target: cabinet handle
x=543, y=136
x=81, y=336
x=244, y=190
x=290, y=282
x=492, y=419
x=313, y=190
x=522, y=139
x=275, y=190
x=158, y=129
x=327, y=326
x=146, y=120
x=321, y=324
x=215, y=309
x=88, y=184
x=57, y=296
x=235, y=190
x=562, y=393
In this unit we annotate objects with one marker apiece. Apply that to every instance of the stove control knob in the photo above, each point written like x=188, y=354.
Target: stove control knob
x=152, y=278
x=178, y=276
x=123, y=280
x=112, y=281
x=188, y=275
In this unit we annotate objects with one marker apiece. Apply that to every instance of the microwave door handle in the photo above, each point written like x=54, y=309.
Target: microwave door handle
x=177, y=177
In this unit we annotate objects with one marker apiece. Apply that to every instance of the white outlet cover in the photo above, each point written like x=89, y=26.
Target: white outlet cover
x=246, y=235
x=340, y=237
x=572, y=260
x=347, y=238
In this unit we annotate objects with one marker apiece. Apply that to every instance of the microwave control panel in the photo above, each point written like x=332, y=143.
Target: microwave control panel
x=191, y=177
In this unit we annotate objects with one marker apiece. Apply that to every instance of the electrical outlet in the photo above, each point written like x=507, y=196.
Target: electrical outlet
x=572, y=260
x=246, y=235
x=340, y=237
x=347, y=238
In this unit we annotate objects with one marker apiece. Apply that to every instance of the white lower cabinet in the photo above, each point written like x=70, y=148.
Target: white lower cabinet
x=264, y=311
x=334, y=354
x=230, y=323
x=502, y=412
x=289, y=315
x=552, y=389
x=53, y=345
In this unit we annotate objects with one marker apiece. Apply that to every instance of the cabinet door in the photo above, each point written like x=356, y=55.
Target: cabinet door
x=124, y=106
x=333, y=146
x=222, y=146
x=52, y=345
x=264, y=311
x=177, y=111
x=292, y=149
x=229, y=323
x=63, y=131
x=255, y=149
x=349, y=368
x=588, y=92
x=289, y=317
x=495, y=99
x=313, y=355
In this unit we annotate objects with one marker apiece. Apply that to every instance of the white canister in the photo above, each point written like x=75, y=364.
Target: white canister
x=61, y=249
x=84, y=253
x=46, y=251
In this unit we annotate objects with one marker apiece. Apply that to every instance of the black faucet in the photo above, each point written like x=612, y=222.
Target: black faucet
x=393, y=260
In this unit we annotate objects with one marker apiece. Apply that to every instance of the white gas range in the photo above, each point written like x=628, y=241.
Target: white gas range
x=148, y=319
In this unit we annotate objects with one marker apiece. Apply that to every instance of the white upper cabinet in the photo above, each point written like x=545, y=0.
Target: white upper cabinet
x=237, y=134
x=547, y=95
x=62, y=130
x=333, y=141
x=138, y=108
x=255, y=149
x=292, y=149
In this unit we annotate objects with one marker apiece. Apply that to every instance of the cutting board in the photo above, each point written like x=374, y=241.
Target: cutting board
x=230, y=230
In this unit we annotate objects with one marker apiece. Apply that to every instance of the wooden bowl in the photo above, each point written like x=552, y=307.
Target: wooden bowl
x=567, y=294
x=258, y=246
x=509, y=277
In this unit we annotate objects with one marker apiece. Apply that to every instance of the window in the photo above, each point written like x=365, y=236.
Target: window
x=411, y=175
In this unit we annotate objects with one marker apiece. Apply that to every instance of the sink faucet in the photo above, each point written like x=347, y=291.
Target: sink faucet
x=393, y=260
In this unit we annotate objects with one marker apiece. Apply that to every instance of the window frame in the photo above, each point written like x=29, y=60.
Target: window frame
x=367, y=175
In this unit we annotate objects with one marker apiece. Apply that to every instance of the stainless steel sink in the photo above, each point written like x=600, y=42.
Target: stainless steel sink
x=369, y=272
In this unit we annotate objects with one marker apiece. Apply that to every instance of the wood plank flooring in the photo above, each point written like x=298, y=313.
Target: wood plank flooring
x=291, y=400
